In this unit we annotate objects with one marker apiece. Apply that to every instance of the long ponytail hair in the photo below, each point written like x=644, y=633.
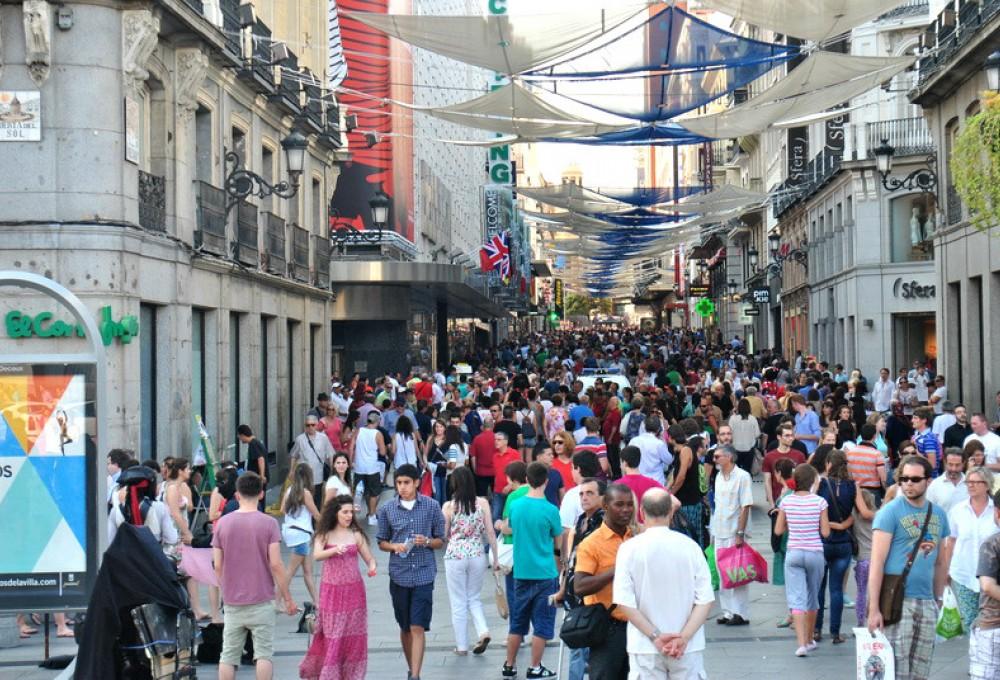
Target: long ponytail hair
x=302, y=483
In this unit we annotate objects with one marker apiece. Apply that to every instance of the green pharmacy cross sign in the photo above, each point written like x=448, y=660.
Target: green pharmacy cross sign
x=705, y=307
x=22, y=325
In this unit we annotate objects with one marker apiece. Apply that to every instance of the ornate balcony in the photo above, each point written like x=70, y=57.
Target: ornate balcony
x=907, y=136
x=300, y=253
x=321, y=261
x=245, y=248
x=274, y=244
x=211, y=233
x=152, y=202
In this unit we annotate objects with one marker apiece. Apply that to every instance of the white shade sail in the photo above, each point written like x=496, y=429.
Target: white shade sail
x=816, y=20
x=504, y=43
x=724, y=200
x=823, y=80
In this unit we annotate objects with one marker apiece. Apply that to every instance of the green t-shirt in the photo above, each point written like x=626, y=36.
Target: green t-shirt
x=535, y=522
x=519, y=492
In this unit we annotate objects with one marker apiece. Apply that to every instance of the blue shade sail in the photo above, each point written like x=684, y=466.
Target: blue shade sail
x=637, y=217
x=672, y=63
x=665, y=134
x=645, y=196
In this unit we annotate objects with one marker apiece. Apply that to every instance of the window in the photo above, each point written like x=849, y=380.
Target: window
x=198, y=362
x=292, y=327
x=314, y=339
x=317, y=206
x=235, y=401
x=265, y=376
x=147, y=381
x=203, y=144
x=911, y=224
x=267, y=172
x=239, y=142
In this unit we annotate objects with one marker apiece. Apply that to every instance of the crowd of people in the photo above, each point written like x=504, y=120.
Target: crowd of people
x=578, y=491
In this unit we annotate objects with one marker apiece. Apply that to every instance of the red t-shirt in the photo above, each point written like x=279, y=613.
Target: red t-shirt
x=639, y=484
x=565, y=470
x=773, y=457
x=424, y=390
x=500, y=463
x=482, y=449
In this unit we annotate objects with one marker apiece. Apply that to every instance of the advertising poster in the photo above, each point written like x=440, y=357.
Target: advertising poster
x=47, y=484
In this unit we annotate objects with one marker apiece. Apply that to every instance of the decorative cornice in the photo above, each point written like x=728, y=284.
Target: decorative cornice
x=38, y=39
x=192, y=64
x=140, y=35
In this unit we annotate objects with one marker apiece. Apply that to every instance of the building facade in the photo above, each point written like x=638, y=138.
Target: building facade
x=122, y=199
x=966, y=276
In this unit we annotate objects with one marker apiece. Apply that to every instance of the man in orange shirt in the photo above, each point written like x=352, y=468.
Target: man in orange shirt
x=502, y=455
x=595, y=574
x=866, y=464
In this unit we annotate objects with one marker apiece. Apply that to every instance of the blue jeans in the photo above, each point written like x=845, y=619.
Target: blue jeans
x=578, y=659
x=497, y=502
x=441, y=489
x=838, y=561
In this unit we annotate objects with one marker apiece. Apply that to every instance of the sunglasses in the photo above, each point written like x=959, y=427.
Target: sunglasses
x=903, y=479
x=310, y=424
x=558, y=443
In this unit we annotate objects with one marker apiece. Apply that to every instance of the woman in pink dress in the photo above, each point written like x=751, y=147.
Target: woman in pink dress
x=339, y=650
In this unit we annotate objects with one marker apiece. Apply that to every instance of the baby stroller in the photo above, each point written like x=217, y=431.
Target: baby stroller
x=139, y=625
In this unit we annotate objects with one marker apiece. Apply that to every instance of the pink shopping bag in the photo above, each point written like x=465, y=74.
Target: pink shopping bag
x=740, y=565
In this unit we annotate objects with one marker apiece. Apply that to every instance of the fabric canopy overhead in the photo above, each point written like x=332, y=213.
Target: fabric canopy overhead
x=821, y=81
x=516, y=110
x=505, y=43
x=725, y=199
x=686, y=64
x=561, y=195
x=816, y=20
x=661, y=134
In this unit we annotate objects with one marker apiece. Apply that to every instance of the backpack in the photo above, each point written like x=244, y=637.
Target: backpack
x=635, y=419
x=528, y=425
x=473, y=423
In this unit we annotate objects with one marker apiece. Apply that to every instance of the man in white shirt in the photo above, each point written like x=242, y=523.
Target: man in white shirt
x=943, y=419
x=882, y=392
x=939, y=395
x=907, y=396
x=991, y=442
x=314, y=449
x=666, y=616
x=731, y=527
x=655, y=456
x=920, y=381
x=949, y=489
x=343, y=404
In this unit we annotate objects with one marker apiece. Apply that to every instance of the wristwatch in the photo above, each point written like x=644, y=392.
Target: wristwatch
x=741, y=534
x=655, y=634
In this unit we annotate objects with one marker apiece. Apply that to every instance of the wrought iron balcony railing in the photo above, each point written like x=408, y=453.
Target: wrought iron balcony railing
x=211, y=233
x=274, y=244
x=300, y=253
x=152, y=202
x=246, y=248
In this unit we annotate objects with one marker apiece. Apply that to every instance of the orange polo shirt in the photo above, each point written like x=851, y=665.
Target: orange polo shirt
x=595, y=555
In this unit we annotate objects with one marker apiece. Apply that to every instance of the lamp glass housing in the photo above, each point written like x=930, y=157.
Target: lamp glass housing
x=732, y=287
x=379, y=205
x=883, y=157
x=752, y=255
x=295, y=154
x=992, y=68
x=773, y=243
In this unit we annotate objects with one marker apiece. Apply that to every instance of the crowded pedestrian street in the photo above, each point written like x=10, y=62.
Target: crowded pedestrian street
x=501, y=339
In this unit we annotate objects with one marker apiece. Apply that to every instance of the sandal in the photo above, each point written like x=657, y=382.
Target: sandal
x=785, y=622
x=838, y=640
x=459, y=652
x=481, y=645
x=27, y=630
x=817, y=637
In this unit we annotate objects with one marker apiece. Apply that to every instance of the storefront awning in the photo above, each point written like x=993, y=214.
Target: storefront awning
x=442, y=282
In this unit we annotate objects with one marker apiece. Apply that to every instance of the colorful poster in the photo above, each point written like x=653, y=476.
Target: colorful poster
x=47, y=485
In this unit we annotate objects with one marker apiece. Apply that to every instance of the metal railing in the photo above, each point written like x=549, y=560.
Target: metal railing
x=231, y=26
x=331, y=130
x=818, y=170
x=321, y=261
x=300, y=253
x=954, y=205
x=274, y=244
x=211, y=233
x=908, y=8
x=197, y=5
x=152, y=202
x=907, y=136
x=952, y=30
x=247, y=250
x=262, y=52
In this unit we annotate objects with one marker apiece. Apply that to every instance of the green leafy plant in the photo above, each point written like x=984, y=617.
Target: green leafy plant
x=975, y=165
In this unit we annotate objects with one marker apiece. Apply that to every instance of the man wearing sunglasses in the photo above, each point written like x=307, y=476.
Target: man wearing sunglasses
x=897, y=528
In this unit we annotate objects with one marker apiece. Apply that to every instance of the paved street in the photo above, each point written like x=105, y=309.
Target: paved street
x=757, y=652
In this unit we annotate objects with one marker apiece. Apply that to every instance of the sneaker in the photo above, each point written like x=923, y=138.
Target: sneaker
x=372, y=521
x=540, y=672
x=508, y=671
x=849, y=603
x=811, y=646
x=802, y=651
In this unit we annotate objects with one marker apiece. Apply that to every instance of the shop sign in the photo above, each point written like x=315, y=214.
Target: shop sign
x=761, y=295
x=20, y=116
x=912, y=290
x=751, y=311
x=23, y=325
x=698, y=290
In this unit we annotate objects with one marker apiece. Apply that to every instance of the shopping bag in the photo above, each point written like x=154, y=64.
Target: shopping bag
x=710, y=556
x=505, y=556
x=874, y=656
x=740, y=565
x=949, y=622
x=427, y=484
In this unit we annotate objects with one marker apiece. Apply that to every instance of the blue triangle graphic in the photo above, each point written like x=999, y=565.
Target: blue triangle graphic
x=66, y=481
x=9, y=446
x=26, y=538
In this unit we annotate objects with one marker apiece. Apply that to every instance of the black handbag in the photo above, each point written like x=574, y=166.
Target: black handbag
x=586, y=626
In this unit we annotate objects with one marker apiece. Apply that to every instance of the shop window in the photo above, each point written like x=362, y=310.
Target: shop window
x=265, y=379
x=912, y=225
x=147, y=381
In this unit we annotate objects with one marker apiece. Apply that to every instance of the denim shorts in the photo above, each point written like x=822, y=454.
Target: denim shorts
x=531, y=605
x=301, y=549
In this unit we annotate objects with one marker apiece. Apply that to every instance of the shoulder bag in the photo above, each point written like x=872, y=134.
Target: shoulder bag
x=325, y=464
x=855, y=548
x=890, y=596
x=586, y=626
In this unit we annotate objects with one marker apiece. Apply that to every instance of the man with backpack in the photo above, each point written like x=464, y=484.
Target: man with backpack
x=631, y=426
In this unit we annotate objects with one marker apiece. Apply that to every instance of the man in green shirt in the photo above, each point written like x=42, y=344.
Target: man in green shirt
x=536, y=527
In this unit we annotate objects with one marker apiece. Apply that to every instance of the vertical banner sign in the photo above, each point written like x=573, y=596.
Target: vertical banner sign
x=557, y=299
x=798, y=154
x=498, y=163
x=833, y=144
x=48, y=463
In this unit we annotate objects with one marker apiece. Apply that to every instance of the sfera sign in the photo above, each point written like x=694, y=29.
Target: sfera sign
x=42, y=325
x=911, y=290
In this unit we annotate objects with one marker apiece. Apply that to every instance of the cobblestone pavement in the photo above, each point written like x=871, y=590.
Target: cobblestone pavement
x=759, y=651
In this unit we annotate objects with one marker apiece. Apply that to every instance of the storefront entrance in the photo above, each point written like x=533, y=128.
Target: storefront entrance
x=914, y=337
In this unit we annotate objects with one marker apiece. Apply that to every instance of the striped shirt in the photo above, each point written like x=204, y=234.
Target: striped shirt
x=802, y=514
x=863, y=462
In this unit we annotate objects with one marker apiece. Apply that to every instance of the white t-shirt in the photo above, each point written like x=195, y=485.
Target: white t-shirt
x=667, y=602
x=942, y=393
x=337, y=485
x=570, y=508
x=366, y=452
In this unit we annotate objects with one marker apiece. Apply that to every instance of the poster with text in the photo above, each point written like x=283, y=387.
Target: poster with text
x=47, y=485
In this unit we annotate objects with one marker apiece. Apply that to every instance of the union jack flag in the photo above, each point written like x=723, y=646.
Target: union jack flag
x=495, y=255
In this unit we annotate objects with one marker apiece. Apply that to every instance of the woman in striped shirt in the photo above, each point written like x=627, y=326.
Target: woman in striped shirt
x=804, y=515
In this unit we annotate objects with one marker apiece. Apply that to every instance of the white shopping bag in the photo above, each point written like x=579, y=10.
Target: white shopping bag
x=874, y=656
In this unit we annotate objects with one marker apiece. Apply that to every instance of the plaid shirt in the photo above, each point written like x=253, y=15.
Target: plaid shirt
x=396, y=524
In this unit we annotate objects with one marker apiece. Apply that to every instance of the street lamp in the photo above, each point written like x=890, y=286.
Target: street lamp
x=732, y=288
x=241, y=183
x=992, y=67
x=379, y=204
x=752, y=257
x=921, y=179
x=773, y=244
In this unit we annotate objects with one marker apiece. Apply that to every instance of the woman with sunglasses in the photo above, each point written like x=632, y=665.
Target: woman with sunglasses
x=562, y=446
x=970, y=522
